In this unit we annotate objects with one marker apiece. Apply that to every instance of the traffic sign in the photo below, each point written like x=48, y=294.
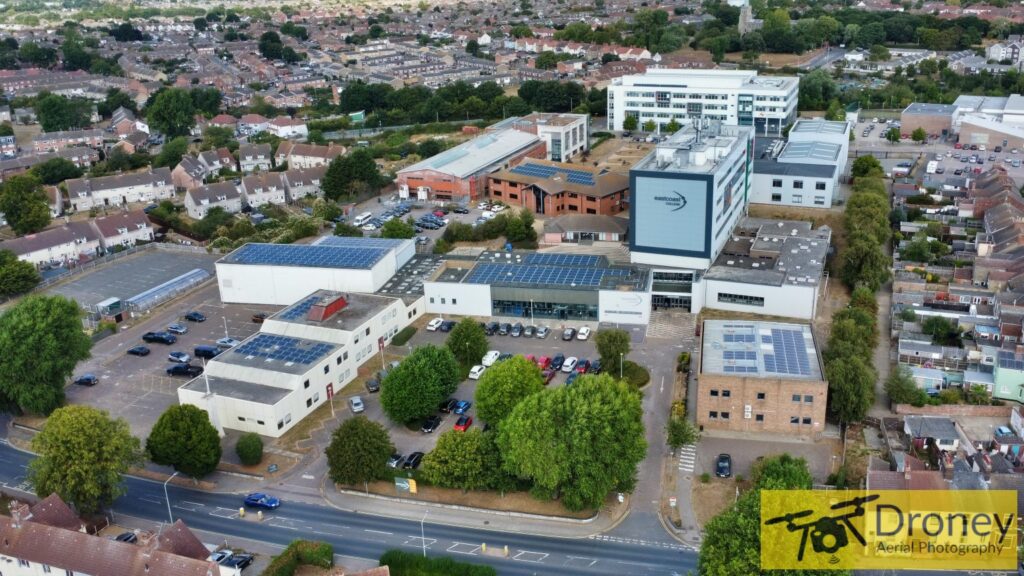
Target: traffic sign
x=672, y=501
x=330, y=391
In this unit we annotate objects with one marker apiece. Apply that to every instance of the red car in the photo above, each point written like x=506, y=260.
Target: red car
x=904, y=136
x=530, y=358
x=543, y=362
x=439, y=213
x=957, y=146
x=464, y=423
x=548, y=375
x=583, y=366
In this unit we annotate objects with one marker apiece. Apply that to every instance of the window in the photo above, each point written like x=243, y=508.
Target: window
x=241, y=419
x=24, y=563
x=819, y=185
x=760, y=395
x=725, y=415
x=714, y=393
x=758, y=417
x=775, y=198
x=776, y=183
x=280, y=424
x=316, y=397
x=454, y=302
x=713, y=415
x=794, y=420
x=796, y=397
x=808, y=399
x=442, y=301
x=309, y=402
x=740, y=299
x=726, y=394
x=327, y=368
x=337, y=360
x=431, y=299
x=798, y=199
x=807, y=420
x=368, y=328
x=798, y=184
x=344, y=356
x=260, y=422
x=819, y=200
x=305, y=384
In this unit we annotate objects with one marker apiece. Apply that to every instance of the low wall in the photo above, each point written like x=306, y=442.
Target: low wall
x=956, y=410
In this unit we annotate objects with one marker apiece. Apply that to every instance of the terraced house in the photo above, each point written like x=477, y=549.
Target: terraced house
x=149, y=186
x=52, y=141
x=260, y=189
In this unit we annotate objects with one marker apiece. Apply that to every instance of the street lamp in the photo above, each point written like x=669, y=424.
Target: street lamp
x=422, y=534
x=166, y=497
x=620, y=365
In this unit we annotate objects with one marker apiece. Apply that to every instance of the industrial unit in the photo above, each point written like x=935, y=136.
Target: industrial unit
x=805, y=170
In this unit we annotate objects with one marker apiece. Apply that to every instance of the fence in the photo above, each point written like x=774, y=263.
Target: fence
x=113, y=257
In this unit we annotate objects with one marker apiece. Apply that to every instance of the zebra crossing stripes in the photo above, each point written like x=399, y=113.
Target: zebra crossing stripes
x=687, y=458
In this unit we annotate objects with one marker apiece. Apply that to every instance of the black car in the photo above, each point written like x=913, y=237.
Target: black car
x=161, y=337
x=138, y=351
x=447, y=326
x=240, y=561
x=413, y=461
x=128, y=537
x=431, y=424
x=448, y=405
x=460, y=210
x=568, y=334
x=723, y=466
x=396, y=460
x=194, y=316
x=595, y=367
x=185, y=370
x=491, y=328
x=373, y=385
x=517, y=330
x=557, y=361
x=504, y=328
x=504, y=356
x=87, y=380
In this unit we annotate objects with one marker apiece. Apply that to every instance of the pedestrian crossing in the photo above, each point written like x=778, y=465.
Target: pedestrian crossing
x=687, y=458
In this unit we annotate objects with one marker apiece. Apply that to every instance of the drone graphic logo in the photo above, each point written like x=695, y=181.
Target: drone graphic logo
x=827, y=533
x=682, y=201
x=676, y=203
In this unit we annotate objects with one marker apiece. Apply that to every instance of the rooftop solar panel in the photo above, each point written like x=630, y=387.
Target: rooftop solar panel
x=300, y=310
x=562, y=259
x=307, y=255
x=539, y=275
x=283, y=348
x=358, y=242
x=1010, y=361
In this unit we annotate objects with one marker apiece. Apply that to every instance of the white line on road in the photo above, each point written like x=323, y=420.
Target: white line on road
x=192, y=503
x=152, y=501
x=459, y=548
x=308, y=477
x=379, y=532
x=572, y=559
x=527, y=556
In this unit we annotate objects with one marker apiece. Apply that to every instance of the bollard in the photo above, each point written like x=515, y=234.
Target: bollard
x=259, y=515
x=241, y=512
x=483, y=547
x=506, y=550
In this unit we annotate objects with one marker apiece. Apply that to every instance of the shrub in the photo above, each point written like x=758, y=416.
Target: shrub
x=403, y=336
x=705, y=478
x=402, y=563
x=683, y=362
x=319, y=554
x=635, y=374
x=250, y=449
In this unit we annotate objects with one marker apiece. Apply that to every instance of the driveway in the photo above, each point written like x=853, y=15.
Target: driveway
x=745, y=451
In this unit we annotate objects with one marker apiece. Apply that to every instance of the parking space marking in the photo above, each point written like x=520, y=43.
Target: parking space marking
x=379, y=532
x=575, y=560
x=637, y=542
x=463, y=548
x=230, y=513
x=527, y=556
x=190, y=508
x=417, y=542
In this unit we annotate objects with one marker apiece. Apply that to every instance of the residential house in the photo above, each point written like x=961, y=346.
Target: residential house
x=252, y=124
x=225, y=195
x=299, y=155
x=51, y=141
x=124, y=122
x=216, y=160
x=304, y=182
x=1005, y=51
x=285, y=127
x=254, y=157
x=68, y=243
x=223, y=121
x=937, y=431
x=124, y=229
x=148, y=186
x=132, y=143
x=8, y=147
x=81, y=157
x=263, y=188
x=188, y=174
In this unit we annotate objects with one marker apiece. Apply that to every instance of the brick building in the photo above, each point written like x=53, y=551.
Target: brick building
x=934, y=118
x=554, y=188
x=760, y=377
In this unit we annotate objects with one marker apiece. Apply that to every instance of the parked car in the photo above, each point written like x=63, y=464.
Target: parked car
x=161, y=337
x=463, y=423
x=476, y=372
x=572, y=378
x=182, y=357
x=355, y=403
x=373, y=385
x=460, y=210
x=259, y=317
x=206, y=351
x=139, y=351
x=548, y=375
x=491, y=328
x=194, y=316
x=413, y=461
x=239, y=561
x=431, y=424
x=595, y=367
x=517, y=330
x=584, y=333
x=447, y=326
x=87, y=380
x=227, y=342
x=570, y=364
x=177, y=329
x=434, y=324
x=583, y=366
x=504, y=356
x=129, y=537
x=261, y=500
x=557, y=361
x=185, y=370
x=395, y=460
x=723, y=466
x=529, y=331
x=504, y=328
x=463, y=406
x=448, y=405
x=998, y=149
x=543, y=362
x=568, y=334
x=543, y=332
x=490, y=358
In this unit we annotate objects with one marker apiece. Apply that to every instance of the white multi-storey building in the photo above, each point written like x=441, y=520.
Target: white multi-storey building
x=733, y=97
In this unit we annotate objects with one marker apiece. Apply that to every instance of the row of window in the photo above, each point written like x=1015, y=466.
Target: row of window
x=443, y=301
x=799, y=199
x=798, y=398
x=798, y=184
x=46, y=568
x=662, y=95
x=743, y=299
x=796, y=420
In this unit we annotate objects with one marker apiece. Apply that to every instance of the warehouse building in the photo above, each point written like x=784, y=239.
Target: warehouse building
x=554, y=188
x=935, y=119
x=760, y=377
x=300, y=357
x=987, y=130
x=806, y=170
x=282, y=273
x=460, y=173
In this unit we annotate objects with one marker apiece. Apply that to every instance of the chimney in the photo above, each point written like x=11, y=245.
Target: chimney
x=20, y=512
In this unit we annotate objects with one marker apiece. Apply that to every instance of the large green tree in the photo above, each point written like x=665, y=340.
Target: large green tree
x=416, y=386
x=613, y=346
x=866, y=165
x=184, y=438
x=467, y=342
x=901, y=388
x=504, y=385
x=397, y=228
x=465, y=460
x=352, y=173
x=82, y=454
x=16, y=276
x=171, y=153
x=359, y=452
x=863, y=262
x=851, y=388
x=579, y=442
x=172, y=112
x=41, y=340
x=56, y=170
x=24, y=204
x=57, y=112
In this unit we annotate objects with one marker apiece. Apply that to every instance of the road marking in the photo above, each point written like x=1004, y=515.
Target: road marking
x=189, y=508
x=192, y=503
x=536, y=557
x=230, y=513
x=461, y=548
x=687, y=458
x=379, y=532
x=417, y=542
x=308, y=477
x=581, y=559
x=152, y=501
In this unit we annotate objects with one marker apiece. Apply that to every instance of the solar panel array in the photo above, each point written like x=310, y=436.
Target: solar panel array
x=740, y=369
x=284, y=349
x=300, y=310
x=539, y=275
x=738, y=337
x=562, y=259
x=358, y=242
x=1010, y=361
x=307, y=255
x=739, y=355
x=546, y=171
x=790, y=355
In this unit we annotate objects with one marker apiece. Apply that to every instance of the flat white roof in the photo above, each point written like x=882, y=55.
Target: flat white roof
x=989, y=123
x=710, y=79
x=471, y=157
x=818, y=125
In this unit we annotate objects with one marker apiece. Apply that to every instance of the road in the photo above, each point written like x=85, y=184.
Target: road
x=366, y=536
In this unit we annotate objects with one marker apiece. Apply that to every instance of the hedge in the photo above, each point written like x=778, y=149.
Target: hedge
x=299, y=552
x=413, y=564
x=249, y=449
x=635, y=374
x=403, y=336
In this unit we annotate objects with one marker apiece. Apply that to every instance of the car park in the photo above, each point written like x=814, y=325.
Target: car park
x=184, y=370
x=434, y=324
x=476, y=372
x=431, y=424
x=584, y=333
x=570, y=364
x=557, y=361
x=395, y=460
x=568, y=334
x=87, y=380
x=490, y=358
x=182, y=357
x=227, y=342
x=723, y=466
x=177, y=329
x=413, y=461
x=138, y=351
x=161, y=337
x=447, y=406
x=355, y=403
x=261, y=500
x=194, y=316
x=543, y=332
x=463, y=423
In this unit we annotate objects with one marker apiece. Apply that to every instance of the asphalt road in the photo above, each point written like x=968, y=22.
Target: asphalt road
x=366, y=536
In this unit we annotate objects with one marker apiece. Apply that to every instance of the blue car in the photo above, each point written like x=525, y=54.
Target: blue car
x=261, y=500
x=463, y=406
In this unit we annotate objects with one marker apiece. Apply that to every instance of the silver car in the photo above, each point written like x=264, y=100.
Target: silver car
x=543, y=331
x=356, y=404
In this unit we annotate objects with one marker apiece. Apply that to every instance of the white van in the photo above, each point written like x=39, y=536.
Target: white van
x=362, y=218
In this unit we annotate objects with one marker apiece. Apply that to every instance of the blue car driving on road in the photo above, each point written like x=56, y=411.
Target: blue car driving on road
x=261, y=500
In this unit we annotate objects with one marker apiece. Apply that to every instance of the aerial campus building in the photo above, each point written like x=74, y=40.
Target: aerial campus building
x=804, y=170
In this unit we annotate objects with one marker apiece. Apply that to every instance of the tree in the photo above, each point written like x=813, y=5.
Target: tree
x=680, y=432
x=24, y=204
x=504, y=385
x=41, y=340
x=171, y=153
x=901, y=388
x=200, y=24
x=172, y=112
x=630, y=123
x=350, y=173
x=864, y=299
x=184, y=438
x=851, y=388
x=429, y=148
x=6, y=129
x=56, y=170
x=56, y=112
x=835, y=111
x=817, y=89
x=673, y=126
x=82, y=454
x=270, y=46
x=359, y=452
x=217, y=136
x=32, y=53
x=16, y=276
x=467, y=342
x=879, y=53
x=343, y=229
x=115, y=99
x=919, y=135
x=650, y=126
x=613, y=346
x=892, y=135
x=594, y=449
x=609, y=57
x=397, y=228
x=465, y=460
x=76, y=57
x=864, y=262
x=416, y=386
x=326, y=210
x=206, y=100
x=473, y=47
x=866, y=166
x=249, y=449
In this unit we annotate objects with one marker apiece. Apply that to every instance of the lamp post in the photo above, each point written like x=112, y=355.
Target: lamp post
x=620, y=365
x=170, y=515
x=422, y=534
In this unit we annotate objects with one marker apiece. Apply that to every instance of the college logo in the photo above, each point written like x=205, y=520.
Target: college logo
x=889, y=529
x=677, y=202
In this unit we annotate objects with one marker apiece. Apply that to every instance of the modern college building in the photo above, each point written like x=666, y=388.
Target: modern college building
x=733, y=97
x=806, y=170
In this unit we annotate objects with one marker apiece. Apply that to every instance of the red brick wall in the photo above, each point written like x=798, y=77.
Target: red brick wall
x=559, y=204
x=956, y=410
x=777, y=406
